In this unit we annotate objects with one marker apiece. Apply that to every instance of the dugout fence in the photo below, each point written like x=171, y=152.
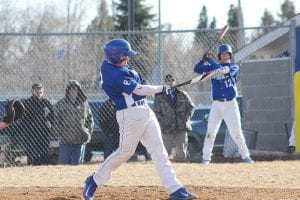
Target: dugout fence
x=55, y=58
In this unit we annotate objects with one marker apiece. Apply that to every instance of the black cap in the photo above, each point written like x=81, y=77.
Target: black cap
x=37, y=85
x=169, y=77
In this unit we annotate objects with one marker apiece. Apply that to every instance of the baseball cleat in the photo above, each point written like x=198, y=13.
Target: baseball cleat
x=89, y=188
x=182, y=194
x=248, y=160
x=205, y=162
x=291, y=149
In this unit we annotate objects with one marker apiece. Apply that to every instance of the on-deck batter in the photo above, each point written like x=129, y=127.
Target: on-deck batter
x=136, y=120
x=224, y=105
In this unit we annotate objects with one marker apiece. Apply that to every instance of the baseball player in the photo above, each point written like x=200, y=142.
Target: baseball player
x=136, y=120
x=224, y=105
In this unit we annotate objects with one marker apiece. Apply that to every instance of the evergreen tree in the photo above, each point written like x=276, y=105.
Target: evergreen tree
x=143, y=18
x=233, y=21
x=287, y=10
x=213, y=23
x=203, y=39
x=200, y=37
x=203, y=19
x=267, y=19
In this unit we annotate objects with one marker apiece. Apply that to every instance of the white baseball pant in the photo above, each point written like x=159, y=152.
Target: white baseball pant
x=139, y=124
x=229, y=111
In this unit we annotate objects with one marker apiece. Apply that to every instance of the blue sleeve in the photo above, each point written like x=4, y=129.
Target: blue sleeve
x=202, y=66
x=126, y=82
x=198, y=67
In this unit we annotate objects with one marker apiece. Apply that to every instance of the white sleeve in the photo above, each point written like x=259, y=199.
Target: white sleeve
x=147, y=90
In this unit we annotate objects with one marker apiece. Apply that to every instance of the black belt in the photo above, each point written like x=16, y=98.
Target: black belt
x=139, y=103
x=223, y=100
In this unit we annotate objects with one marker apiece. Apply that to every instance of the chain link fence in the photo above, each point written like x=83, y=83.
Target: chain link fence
x=56, y=58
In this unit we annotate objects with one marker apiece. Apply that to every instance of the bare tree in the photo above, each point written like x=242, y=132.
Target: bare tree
x=103, y=21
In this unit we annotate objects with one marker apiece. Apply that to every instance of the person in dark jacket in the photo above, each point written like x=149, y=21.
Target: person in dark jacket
x=173, y=113
x=74, y=124
x=36, y=124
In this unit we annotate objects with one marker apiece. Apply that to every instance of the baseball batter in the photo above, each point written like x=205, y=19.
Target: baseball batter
x=136, y=120
x=224, y=105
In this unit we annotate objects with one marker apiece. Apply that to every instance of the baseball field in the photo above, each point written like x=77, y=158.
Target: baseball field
x=264, y=180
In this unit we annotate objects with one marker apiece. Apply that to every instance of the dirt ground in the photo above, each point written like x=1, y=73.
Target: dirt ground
x=263, y=180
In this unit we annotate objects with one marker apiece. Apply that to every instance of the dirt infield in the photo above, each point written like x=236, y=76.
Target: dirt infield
x=138, y=180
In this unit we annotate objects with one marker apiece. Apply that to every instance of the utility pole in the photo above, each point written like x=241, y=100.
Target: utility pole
x=241, y=25
x=131, y=14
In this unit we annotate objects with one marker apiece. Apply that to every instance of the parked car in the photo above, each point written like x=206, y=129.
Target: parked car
x=196, y=136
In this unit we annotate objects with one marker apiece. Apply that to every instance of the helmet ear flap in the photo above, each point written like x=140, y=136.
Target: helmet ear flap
x=114, y=60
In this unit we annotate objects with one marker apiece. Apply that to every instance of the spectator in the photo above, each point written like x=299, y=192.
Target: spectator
x=173, y=113
x=110, y=127
x=36, y=123
x=291, y=147
x=74, y=124
x=224, y=77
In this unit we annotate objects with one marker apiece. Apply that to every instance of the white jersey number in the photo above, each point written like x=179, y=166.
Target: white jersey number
x=228, y=83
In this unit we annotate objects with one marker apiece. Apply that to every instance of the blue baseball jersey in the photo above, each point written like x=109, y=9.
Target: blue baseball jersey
x=119, y=83
x=222, y=86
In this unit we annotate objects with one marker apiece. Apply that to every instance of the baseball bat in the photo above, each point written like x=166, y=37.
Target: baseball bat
x=193, y=80
x=207, y=75
x=203, y=77
x=219, y=37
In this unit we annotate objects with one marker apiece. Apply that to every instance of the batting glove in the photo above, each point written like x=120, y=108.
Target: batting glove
x=224, y=70
x=219, y=73
x=166, y=90
x=207, y=56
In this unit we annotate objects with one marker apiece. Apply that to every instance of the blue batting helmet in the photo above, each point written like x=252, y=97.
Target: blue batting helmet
x=116, y=48
x=224, y=48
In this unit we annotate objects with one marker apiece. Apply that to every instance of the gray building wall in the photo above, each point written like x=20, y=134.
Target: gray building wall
x=267, y=101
